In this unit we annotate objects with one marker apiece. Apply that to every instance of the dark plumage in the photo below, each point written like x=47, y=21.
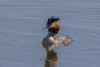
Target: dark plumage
x=49, y=25
x=53, y=40
x=50, y=21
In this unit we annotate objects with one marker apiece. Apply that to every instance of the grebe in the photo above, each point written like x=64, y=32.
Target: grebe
x=53, y=39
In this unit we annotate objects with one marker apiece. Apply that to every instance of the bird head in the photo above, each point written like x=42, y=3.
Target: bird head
x=53, y=25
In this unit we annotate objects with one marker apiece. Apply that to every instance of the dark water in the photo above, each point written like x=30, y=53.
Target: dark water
x=21, y=33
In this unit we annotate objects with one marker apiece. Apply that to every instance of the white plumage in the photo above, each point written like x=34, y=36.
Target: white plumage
x=53, y=39
x=59, y=41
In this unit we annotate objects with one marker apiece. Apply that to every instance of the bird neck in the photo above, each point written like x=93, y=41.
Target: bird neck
x=53, y=30
x=51, y=34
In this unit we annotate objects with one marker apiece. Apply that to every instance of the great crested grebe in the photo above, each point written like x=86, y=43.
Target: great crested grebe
x=53, y=39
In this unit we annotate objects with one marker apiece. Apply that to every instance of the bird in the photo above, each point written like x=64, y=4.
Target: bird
x=54, y=40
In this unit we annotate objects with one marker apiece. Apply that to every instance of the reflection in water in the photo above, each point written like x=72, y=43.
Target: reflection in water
x=53, y=40
x=51, y=59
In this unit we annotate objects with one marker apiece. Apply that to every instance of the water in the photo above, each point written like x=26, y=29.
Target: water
x=21, y=32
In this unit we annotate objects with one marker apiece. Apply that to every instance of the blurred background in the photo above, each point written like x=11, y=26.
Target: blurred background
x=22, y=24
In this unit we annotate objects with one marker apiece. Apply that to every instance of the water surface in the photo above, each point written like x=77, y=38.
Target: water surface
x=21, y=32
